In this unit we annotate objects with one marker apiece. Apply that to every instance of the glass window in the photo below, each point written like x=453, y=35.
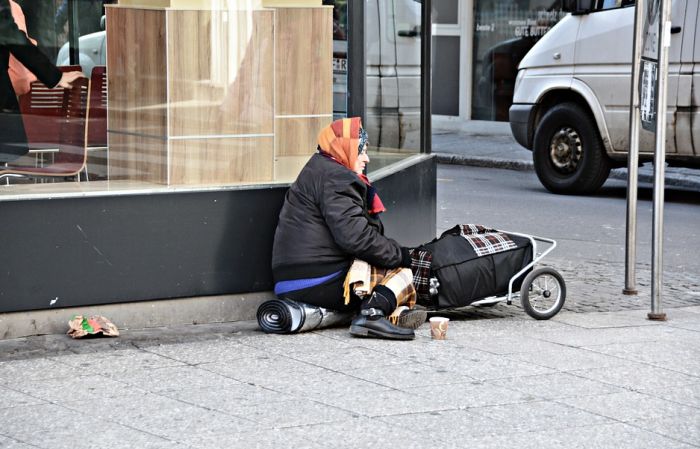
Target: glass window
x=393, y=97
x=612, y=4
x=445, y=72
x=340, y=57
x=183, y=99
x=503, y=34
x=205, y=98
x=446, y=12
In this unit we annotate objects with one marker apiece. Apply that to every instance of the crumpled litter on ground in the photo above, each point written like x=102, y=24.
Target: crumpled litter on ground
x=80, y=326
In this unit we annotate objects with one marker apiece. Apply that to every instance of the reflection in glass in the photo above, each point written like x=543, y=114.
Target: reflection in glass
x=393, y=108
x=198, y=98
x=503, y=33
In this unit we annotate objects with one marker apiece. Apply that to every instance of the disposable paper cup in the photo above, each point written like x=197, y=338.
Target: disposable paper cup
x=438, y=327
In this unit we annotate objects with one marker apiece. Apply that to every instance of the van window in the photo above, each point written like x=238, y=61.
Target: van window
x=612, y=4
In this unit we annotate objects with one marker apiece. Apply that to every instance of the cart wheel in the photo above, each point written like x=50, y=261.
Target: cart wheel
x=543, y=293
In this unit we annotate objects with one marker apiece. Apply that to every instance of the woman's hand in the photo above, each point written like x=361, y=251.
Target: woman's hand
x=68, y=77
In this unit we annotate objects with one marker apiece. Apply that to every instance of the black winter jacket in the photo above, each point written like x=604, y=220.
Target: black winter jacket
x=324, y=225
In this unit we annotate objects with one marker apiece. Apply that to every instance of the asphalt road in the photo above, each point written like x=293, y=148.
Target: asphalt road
x=588, y=229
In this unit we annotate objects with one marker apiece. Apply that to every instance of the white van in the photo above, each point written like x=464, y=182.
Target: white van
x=572, y=95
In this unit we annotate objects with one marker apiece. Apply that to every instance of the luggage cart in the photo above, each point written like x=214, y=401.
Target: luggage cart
x=542, y=292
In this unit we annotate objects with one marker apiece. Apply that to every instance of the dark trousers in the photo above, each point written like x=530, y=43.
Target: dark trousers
x=328, y=295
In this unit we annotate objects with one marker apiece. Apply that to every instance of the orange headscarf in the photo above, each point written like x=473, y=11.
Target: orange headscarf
x=341, y=140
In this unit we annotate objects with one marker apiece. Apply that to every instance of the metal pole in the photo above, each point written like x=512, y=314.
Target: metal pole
x=633, y=156
x=426, y=77
x=73, y=33
x=657, y=233
x=357, y=68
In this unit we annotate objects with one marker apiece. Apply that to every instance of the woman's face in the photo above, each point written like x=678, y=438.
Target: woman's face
x=362, y=161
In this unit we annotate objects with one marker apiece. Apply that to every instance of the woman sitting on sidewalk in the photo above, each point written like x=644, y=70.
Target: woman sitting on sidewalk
x=329, y=220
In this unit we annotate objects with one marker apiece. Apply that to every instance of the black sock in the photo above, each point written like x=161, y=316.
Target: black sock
x=382, y=298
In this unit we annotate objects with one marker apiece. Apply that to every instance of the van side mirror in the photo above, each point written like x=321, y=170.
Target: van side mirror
x=578, y=7
x=103, y=22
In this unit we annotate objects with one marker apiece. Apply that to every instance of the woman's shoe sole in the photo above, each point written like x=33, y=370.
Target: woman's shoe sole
x=359, y=331
x=412, y=319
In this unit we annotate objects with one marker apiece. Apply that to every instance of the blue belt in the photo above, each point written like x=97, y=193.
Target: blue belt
x=283, y=287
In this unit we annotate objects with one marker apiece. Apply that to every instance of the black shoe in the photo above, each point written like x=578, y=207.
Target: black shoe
x=375, y=325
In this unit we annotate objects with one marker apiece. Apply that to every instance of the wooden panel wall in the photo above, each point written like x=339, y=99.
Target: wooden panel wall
x=138, y=158
x=137, y=90
x=303, y=84
x=221, y=161
x=242, y=92
x=221, y=77
x=298, y=136
x=303, y=61
x=136, y=72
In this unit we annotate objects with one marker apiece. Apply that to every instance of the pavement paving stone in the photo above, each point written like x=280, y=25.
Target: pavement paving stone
x=685, y=428
x=489, y=367
x=628, y=406
x=514, y=343
x=384, y=402
x=226, y=400
x=34, y=369
x=408, y=375
x=349, y=356
x=638, y=377
x=290, y=413
x=121, y=360
x=365, y=433
x=264, y=369
x=603, y=320
x=450, y=427
x=539, y=416
x=40, y=418
x=12, y=398
x=615, y=435
x=596, y=338
x=85, y=387
x=684, y=394
x=557, y=386
x=286, y=344
x=327, y=384
x=568, y=359
x=11, y=443
x=161, y=380
x=263, y=439
x=472, y=394
x=164, y=417
x=193, y=353
x=680, y=356
x=74, y=434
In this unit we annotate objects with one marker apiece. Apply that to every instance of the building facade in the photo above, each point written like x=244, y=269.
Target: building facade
x=208, y=110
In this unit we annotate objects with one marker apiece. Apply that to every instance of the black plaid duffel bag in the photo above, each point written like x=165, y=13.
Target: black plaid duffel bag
x=472, y=262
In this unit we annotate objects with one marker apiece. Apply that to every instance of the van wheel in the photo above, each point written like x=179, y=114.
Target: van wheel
x=568, y=153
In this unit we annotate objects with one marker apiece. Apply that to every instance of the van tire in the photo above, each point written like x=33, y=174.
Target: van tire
x=568, y=153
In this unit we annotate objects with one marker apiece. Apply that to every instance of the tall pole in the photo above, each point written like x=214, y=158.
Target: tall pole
x=633, y=156
x=657, y=233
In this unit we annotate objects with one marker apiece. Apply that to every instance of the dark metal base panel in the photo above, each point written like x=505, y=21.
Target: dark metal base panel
x=111, y=249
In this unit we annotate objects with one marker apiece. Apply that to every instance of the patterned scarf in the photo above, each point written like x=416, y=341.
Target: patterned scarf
x=342, y=141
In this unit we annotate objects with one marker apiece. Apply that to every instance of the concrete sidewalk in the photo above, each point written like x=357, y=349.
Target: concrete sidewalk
x=580, y=380
x=491, y=144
